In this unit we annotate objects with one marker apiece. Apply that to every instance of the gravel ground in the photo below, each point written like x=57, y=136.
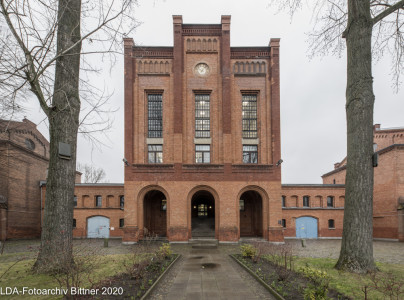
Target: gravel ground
x=384, y=251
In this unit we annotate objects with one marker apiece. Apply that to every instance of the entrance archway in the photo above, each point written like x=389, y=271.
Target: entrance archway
x=155, y=213
x=251, y=214
x=203, y=214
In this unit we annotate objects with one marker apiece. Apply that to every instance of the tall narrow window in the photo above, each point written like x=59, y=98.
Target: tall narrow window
x=98, y=201
x=202, y=154
x=155, y=115
x=202, y=116
x=74, y=223
x=330, y=201
x=306, y=201
x=121, y=201
x=249, y=114
x=250, y=154
x=155, y=154
x=121, y=223
x=75, y=201
x=331, y=224
x=283, y=201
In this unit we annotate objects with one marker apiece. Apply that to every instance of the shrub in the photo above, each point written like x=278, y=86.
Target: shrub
x=164, y=251
x=320, y=281
x=248, y=250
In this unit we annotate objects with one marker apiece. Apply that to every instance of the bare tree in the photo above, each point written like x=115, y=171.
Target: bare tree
x=358, y=22
x=42, y=56
x=91, y=174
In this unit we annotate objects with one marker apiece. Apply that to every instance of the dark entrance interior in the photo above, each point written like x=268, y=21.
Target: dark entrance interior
x=203, y=214
x=155, y=213
x=250, y=214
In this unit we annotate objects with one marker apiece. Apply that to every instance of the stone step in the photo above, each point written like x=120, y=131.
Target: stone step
x=204, y=243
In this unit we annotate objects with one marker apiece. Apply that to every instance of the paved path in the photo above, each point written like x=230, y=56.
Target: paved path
x=208, y=274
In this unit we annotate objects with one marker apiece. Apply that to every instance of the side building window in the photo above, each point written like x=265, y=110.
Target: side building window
x=331, y=224
x=284, y=223
x=202, y=116
x=283, y=201
x=306, y=201
x=155, y=115
x=330, y=201
x=250, y=154
x=155, y=154
x=121, y=223
x=74, y=223
x=121, y=201
x=249, y=116
x=75, y=201
x=98, y=201
x=202, y=154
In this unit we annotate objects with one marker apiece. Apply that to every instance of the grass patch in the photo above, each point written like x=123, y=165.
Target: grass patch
x=347, y=283
x=20, y=274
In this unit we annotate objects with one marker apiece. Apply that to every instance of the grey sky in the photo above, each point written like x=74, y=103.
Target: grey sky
x=312, y=90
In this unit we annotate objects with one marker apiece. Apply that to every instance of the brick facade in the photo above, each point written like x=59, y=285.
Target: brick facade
x=230, y=72
x=388, y=194
x=24, y=155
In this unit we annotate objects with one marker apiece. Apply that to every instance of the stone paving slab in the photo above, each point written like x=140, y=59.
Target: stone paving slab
x=208, y=274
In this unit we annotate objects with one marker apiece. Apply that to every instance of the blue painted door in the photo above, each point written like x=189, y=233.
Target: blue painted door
x=98, y=227
x=306, y=228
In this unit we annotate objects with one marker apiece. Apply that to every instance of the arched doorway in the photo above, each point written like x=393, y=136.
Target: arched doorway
x=155, y=213
x=203, y=214
x=306, y=228
x=98, y=227
x=251, y=214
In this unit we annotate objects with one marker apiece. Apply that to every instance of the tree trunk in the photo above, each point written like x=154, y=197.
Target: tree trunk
x=357, y=237
x=56, y=252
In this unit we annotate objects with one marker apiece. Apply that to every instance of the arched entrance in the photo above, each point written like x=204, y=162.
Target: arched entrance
x=251, y=214
x=203, y=214
x=98, y=227
x=306, y=228
x=155, y=213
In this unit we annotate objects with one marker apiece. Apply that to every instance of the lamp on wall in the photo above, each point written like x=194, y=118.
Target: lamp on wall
x=279, y=162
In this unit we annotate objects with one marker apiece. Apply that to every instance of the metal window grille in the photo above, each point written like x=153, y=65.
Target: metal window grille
x=250, y=154
x=121, y=223
x=202, y=116
x=155, y=115
x=249, y=116
x=284, y=223
x=98, y=201
x=155, y=154
x=202, y=154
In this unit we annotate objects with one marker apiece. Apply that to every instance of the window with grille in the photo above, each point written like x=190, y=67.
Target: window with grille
x=249, y=116
x=155, y=154
x=202, y=116
x=284, y=223
x=250, y=154
x=155, y=115
x=121, y=223
x=202, y=154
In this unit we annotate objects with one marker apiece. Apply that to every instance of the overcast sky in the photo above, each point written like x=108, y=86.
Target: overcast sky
x=313, y=125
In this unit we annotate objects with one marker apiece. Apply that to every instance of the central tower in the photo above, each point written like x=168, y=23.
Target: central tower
x=202, y=137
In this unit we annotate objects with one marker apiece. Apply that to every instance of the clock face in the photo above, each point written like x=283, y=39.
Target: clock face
x=202, y=69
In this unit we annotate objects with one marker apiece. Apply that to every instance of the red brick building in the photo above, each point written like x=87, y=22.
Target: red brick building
x=202, y=137
x=388, y=194
x=24, y=154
